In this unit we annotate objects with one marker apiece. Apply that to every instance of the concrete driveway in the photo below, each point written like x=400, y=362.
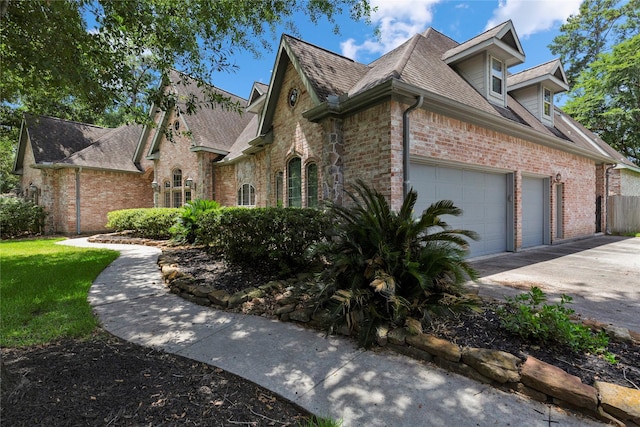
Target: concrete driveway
x=602, y=274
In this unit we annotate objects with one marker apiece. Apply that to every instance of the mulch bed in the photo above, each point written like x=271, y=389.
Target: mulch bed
x=467, y=330
x=106, y=381
x=110, y=382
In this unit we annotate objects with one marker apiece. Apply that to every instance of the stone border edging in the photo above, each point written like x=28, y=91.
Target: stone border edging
x=531, y=377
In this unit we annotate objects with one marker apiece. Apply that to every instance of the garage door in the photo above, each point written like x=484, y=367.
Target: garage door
x=482, y=196
x=533, y=211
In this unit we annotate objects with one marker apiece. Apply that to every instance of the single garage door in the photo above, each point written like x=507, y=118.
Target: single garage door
x=482, y=196
x=534, y=206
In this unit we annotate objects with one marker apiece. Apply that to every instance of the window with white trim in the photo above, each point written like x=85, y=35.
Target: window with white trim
x=547, y=102
x=497, y=76
x=294, y=178
x=246, y=195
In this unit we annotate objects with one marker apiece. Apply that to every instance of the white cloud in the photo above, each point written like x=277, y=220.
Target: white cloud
x=533, y=16
x=397, y=20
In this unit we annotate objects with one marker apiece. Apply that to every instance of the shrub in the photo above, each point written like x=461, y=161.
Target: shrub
x=391, y=268
x=19, y=217
x=526, y=315
x=277, y=240
x=152, y=223
x=186, y=229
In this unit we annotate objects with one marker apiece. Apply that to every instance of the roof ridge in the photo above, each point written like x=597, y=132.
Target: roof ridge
x=321, y=48
x=494, y=28
x=429, y=30
x=196, y=80
x=534, y=67
x=406, y=55
x=66, y=121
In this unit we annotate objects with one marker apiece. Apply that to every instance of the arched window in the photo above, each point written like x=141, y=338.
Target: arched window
x=247, y=195
x=294, y=176
x=312, y=185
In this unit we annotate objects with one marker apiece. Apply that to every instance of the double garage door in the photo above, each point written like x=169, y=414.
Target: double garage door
x=484, y=198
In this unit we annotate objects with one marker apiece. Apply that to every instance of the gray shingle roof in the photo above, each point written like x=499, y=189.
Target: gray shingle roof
x=60, y=142
x=328, y=72
x=487, y=35
x=212, y=125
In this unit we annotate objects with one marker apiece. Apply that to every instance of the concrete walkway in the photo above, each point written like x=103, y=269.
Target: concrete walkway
x=327, y=376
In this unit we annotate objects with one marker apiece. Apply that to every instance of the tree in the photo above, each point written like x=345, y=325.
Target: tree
x=599, y=47
x=606, y=98
x=101, y=61
x=599, y=25
x=51, y=48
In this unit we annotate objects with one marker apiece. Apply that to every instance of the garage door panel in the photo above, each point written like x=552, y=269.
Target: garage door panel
x=481, y=196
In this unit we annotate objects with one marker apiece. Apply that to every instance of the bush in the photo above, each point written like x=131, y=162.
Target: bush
x=391, y=268
x=152, y=223
x=526, y=316
x=278, y=240
x=19, y=217
x=186, y=229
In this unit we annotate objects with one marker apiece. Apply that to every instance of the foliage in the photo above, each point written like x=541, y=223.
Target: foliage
x=186, y=229
x=526, y=315
x=88, y=49
x=599, y=49
x=598, y=25
x=389, y=267
x=278, y=240
x=44, y=291
x=19, y=217
x=606, y=98
x=152, y=223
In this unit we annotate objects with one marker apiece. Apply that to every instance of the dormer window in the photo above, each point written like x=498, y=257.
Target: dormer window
x=547, y=102
x=497, y=76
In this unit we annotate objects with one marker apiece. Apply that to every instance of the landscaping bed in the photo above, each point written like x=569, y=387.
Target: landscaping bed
x=106, y=381
x=466, y=330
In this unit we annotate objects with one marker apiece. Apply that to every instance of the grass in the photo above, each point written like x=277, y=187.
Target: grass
x=43, y=291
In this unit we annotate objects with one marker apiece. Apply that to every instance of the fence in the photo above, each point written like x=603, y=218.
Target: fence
x=623, y=214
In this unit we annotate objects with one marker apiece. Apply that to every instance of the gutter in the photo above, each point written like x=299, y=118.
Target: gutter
x=402, y=91
x=406, y=146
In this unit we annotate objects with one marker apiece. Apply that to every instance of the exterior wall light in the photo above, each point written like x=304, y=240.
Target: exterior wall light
x=189, y=183
x=155, y=185
x=558, y=177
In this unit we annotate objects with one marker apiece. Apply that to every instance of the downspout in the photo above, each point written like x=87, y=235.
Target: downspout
x=406, y=146
x=78, y=228
x=607, y=230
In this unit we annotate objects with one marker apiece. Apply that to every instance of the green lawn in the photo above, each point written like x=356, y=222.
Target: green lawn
x=43, y=290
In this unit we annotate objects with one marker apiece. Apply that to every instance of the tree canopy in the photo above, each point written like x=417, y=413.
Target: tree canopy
x=101, y=61
x=106, y=54
x=600, y=47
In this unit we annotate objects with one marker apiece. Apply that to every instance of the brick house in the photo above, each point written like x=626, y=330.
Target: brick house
x=79, y=172
x=445, y=118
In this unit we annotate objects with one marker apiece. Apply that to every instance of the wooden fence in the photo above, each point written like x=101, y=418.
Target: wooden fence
x=624, y=214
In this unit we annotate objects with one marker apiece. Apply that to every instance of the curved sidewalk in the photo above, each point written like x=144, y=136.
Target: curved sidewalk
x=327, y=376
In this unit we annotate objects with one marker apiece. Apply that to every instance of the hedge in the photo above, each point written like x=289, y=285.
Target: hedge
x=152, y=223
x=277, y=240
x=19, y=217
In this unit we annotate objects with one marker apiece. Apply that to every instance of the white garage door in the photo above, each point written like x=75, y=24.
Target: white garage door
x=482, y=196
x=533, y=211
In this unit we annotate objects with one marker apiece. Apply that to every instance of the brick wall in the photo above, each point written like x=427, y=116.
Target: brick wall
x=434, y=136
x=294, y=136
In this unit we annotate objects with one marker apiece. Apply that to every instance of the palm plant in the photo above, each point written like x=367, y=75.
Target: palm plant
x=388, y=267
x=186, y=228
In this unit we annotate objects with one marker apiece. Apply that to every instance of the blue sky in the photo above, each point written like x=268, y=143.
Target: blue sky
x=536, y=22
